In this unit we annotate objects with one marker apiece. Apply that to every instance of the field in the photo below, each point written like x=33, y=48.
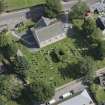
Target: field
x=18, y=4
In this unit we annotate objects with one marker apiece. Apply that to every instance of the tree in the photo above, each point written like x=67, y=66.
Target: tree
x=42, y=91
x=5, y=101
x=5, y=39
x=20, y=65
x=10, y=86
x=94, y=51
x=7, y=45
x=87, y=69
x=101, y=48
x=1, y=6
x=96, y=35
x=53, y=8
x=88, y=27
x=78, y=10
x=10, y=51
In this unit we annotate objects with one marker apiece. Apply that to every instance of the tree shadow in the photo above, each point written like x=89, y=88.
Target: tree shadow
x=24, y=98
x=70, y=71
x=36, y=12
x=97, y=81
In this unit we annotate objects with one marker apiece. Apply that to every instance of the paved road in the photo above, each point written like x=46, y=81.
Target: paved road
x=11, y=19
x=71, y=3
x=68, y=5
x=75, y=85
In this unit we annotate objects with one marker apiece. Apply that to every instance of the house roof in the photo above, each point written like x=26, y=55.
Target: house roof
x=50, y=31
x=81, y=99
x=45, y=22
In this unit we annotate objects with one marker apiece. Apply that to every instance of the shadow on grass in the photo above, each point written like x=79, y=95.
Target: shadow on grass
x=25, y=98
x=71, y=71
x=79, y=37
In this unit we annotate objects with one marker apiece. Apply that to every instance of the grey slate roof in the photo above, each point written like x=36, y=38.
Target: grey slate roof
x=50, y=31
x=82, y=99
x=45, y=22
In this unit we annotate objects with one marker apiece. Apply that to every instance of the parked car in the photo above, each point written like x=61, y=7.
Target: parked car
x=66, y=95
x=51, y=102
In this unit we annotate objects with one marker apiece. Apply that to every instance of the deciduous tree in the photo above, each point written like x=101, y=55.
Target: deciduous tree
x=10, y=86
x=53, y=8
x=87, y=69
x=78, y=10
x=20, y=65
x=42, y=91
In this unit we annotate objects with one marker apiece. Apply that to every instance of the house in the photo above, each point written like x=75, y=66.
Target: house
x=43, y=22
x=49, y=34
x=82, y=99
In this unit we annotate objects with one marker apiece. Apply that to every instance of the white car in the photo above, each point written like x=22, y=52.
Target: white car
x=51, y=102
x=66, y=95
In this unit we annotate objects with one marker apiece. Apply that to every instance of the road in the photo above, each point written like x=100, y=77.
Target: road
x=71, y=3
x=75, y=85
x=13, y=18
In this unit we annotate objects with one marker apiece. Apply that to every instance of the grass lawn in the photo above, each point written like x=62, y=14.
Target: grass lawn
x=42, y=66
x=18, y=4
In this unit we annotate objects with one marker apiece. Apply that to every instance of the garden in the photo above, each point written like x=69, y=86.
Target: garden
x=37, y=74
x=47, y=63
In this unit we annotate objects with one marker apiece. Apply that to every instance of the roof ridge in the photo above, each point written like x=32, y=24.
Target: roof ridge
x=41, y=29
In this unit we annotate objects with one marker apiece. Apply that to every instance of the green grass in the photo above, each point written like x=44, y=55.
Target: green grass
x=99, y=92
x=42, y=66
x=18, y=4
